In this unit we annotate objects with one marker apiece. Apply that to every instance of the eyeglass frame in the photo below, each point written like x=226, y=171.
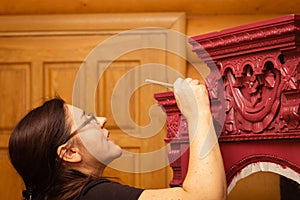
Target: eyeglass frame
x=91, y=117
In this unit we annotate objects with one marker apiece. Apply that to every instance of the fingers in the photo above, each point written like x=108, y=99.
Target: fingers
x=190, y=81
x=183, y=84
x=178, y=82
x=195, y=82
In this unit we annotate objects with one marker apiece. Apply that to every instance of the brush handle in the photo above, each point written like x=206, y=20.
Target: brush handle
x=159, y=83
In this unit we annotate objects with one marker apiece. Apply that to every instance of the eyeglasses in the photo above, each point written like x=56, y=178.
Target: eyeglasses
x=90, y=118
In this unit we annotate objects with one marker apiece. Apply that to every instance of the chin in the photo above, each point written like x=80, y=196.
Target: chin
x=120, y=152
x=107, y=162
x=117, y=152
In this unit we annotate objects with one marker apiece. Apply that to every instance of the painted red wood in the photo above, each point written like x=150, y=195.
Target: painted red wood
x=177, y=137
x=259, y=65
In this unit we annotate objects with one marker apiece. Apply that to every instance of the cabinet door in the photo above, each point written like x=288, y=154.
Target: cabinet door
x=43, y=56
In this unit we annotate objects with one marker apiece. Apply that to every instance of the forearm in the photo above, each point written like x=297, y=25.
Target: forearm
x=205, y=177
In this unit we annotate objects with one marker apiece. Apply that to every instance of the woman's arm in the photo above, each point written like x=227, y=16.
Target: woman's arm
x=205, y=178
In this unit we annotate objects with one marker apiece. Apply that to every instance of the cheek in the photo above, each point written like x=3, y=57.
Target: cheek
x=99, y=147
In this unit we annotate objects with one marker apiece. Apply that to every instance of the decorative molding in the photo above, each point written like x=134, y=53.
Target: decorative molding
x=177, y=137
x=259, y=65
x=260, y=68
x=279, y=33
x=87, y=23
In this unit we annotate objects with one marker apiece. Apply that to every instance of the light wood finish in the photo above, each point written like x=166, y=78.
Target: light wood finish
x=261, y=185
x=202, y=17
x=202, y=7
x=40, y=57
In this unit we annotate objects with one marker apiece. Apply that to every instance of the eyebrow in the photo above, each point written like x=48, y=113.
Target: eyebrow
x=83, y=114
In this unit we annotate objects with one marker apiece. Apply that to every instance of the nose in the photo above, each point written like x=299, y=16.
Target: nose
x=102, y=121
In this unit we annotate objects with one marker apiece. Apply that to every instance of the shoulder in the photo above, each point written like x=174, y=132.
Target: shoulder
x=107, y=189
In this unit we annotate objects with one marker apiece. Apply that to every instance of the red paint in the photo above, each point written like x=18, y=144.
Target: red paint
x=259, y=65
x=177, y=136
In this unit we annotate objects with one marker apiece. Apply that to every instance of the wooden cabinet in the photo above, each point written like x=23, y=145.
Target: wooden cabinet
x=40, y=57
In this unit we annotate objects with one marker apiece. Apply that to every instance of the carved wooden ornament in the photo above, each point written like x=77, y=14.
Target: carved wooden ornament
x=259, y=65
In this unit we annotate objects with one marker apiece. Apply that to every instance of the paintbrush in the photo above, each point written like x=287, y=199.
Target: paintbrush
x=159, y=83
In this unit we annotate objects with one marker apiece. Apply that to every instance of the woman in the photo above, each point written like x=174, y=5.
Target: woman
x=60, y=153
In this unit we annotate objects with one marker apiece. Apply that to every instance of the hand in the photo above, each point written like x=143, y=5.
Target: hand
x=191, y=97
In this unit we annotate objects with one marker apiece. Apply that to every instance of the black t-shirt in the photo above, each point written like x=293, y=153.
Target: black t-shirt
x=103, y=189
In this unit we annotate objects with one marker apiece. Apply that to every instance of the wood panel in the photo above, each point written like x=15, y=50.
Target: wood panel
x=15, y=95
x=16, y=78
x=139, y=103
x=10, y=181
x=201, y=7
x=105, y=91
x=59, y=79
x=261, y=185
x=15, y=101
x=40, y=56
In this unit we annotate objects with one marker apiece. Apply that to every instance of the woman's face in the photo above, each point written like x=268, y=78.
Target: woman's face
x=94, y=136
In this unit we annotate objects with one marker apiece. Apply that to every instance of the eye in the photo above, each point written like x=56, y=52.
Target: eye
x=93, y=120
x=96, y=122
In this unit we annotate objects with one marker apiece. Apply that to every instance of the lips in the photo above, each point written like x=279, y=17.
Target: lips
x=111, y=141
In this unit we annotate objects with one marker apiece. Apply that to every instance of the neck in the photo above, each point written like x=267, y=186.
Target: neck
x=95, y=170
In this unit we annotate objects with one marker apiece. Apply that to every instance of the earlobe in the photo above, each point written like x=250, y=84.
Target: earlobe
x=69, y=154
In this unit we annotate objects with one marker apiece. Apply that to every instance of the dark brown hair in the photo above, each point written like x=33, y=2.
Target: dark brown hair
x=33, y=152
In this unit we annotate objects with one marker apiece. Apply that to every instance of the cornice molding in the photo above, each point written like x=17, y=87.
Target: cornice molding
x=282, y=32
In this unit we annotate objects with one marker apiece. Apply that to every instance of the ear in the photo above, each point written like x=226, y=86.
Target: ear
x=69, y=154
